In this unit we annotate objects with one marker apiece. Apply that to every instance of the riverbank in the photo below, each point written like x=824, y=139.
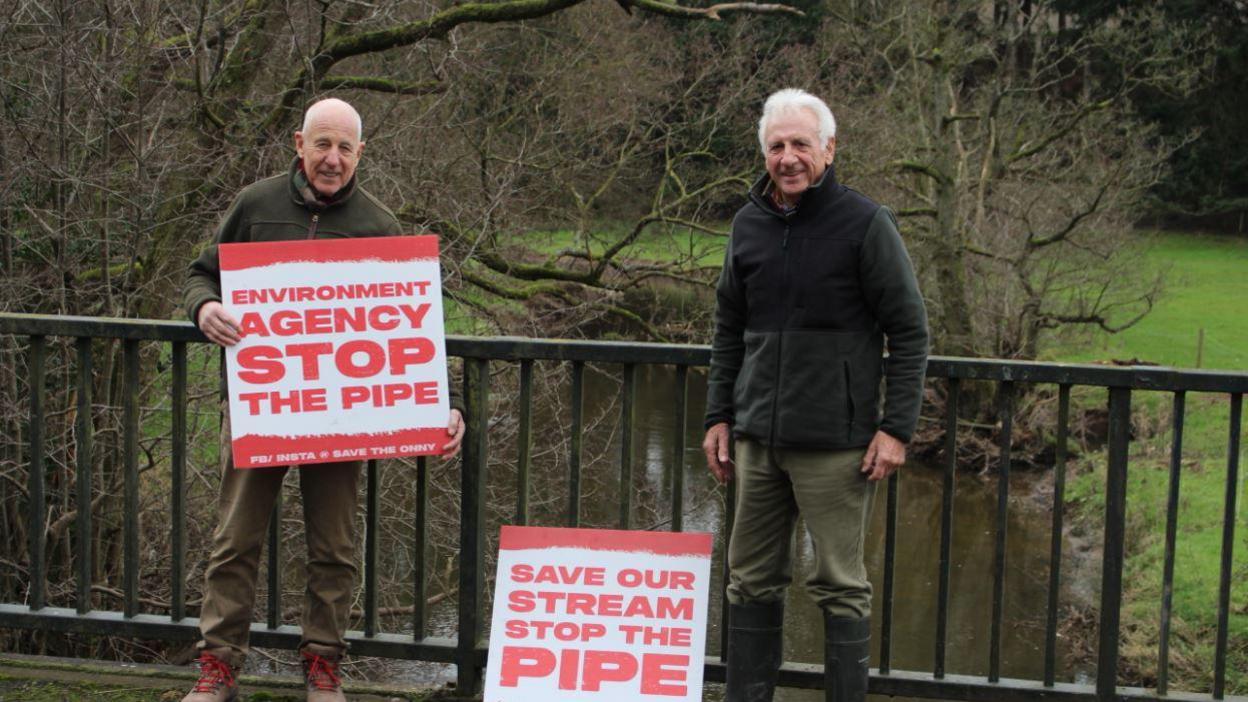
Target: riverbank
x=1200, y=316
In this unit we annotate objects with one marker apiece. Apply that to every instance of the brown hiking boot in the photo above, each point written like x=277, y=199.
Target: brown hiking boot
x=216, y=681
x=320, y=672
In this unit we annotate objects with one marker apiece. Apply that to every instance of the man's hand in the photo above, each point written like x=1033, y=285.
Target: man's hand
x=884, y=456
x=718, y=445
x=454, y=429
x=218, y=325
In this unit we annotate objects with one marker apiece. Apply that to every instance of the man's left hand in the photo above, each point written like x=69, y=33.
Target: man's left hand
x=454, y=429
x=884, y=456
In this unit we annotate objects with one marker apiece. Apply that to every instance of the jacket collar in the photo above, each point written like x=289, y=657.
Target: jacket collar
x=302, y=192
x=824, y=190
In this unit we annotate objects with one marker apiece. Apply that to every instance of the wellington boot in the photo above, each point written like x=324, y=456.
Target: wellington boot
x=320, y=673
x=755, y=651
x=216, y=680
x=846, y=657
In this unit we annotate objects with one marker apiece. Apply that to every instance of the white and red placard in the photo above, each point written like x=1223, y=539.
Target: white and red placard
x=601, y=615
x=343, y=353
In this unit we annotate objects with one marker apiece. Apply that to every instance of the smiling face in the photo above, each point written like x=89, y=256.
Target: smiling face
x=795, y=158
x=329, y=146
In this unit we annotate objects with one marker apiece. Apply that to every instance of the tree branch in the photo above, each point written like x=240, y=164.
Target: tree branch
x=511, y=293
x=528, y=271
x=436, y=27
x=921, y=168
x=916, y=212
x=646, y=326
x=442, y=23
x=714, y=11
x=950, y=119
x=1028, y=149
x=1036, y=243
x=382, y=85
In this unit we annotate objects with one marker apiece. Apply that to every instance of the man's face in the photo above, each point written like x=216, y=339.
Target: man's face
x=330, y=150
x=795, y=158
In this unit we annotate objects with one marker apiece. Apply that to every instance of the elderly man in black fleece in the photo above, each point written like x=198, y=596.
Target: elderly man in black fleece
x=815, y=280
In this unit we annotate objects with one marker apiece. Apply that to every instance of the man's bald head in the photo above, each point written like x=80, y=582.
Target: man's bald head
x=332, y=108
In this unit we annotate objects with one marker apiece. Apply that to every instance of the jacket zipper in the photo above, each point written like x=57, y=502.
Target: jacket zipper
x=784, y=294
x=849, y=405
x=312, y=227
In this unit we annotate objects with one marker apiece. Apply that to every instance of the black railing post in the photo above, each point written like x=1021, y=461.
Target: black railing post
x=38, y=510
x=890, y=575
x=948, y=485
x=472, y=524
x=628, y=393
x=524, y=442
x=574, y=445
x=420, y=548
x=1003, y=507
x=130, y=459
x=730, y=514
x=84, y=431
x=177, y=461
x=1114, y=548
x=1228, y=547
x=678, y=450
x=372, y=517
x=273, y=612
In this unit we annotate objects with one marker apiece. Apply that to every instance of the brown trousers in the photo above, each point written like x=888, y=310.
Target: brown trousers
x=244, y=509
x=834, y=499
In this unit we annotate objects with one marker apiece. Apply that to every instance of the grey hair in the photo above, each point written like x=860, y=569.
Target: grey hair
x=316, y=106
x=792, y=99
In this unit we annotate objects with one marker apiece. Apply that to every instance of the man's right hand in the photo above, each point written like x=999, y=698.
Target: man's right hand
x=718, y=449
x=218, y=325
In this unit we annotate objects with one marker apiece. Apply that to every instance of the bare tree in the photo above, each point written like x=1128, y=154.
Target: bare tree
x=1015, y=164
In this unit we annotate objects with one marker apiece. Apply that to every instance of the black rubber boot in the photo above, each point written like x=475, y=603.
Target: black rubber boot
x=846, y=658
x=755, y=651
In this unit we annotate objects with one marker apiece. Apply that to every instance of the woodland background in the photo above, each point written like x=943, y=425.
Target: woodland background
x=581, y=161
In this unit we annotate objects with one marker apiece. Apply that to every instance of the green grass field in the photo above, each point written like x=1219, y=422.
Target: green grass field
x=1207, y=289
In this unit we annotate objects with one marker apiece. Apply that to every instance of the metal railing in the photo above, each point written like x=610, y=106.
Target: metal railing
x=467, y=651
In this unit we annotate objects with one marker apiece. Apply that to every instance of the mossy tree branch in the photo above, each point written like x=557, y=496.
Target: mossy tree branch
x=382, y=85
x=922, y=168
x=714, y=12
x=442, y=23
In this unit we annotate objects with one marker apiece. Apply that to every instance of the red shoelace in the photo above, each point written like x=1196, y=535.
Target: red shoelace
x=321, y=672
x=213, y=673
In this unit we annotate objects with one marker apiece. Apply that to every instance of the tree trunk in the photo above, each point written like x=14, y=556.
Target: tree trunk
x=957, y=335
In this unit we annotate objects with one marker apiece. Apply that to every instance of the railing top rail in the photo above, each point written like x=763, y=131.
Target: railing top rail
x=506, y=348
x=103, y=327
x=1134, y=377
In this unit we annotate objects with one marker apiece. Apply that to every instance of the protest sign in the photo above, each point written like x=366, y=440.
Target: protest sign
x=593, y=614
x=342, y=354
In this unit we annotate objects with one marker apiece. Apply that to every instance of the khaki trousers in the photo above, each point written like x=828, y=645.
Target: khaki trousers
x=244, y=509
x=834, y=499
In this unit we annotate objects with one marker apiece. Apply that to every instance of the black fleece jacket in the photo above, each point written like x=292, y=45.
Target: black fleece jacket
x=804, y=303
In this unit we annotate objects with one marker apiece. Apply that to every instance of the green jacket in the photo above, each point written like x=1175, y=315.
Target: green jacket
x=804, y=302
x=284, y=208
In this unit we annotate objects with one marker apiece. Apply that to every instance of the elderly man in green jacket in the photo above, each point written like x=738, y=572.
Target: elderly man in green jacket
x=815, y=279
x=318, y=198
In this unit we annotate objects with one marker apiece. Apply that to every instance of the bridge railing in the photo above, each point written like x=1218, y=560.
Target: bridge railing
x=468, y=651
